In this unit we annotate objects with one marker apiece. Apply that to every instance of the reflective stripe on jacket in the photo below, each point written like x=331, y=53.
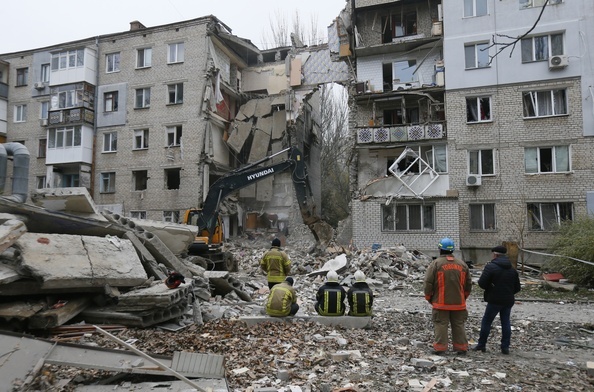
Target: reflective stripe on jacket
x=360, y=299
x=280, y=299
x=330, y=299
x=447, y=283
x=276, y=264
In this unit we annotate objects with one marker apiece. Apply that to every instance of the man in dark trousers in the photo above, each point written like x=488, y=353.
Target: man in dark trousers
x=447, y=286
x=330, y=297
x=500, y=282
x=275, y=263
x=360, y=296
x=282, y=300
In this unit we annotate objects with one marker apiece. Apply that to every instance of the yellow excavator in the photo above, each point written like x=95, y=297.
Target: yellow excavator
x=209, y=241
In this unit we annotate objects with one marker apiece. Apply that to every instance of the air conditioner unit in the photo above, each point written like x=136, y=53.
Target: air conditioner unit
x=39, y=85
x=473, y=180
x=44, y=122
x=557, y=62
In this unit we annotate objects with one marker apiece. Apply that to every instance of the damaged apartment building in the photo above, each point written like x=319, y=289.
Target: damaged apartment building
x=456, y=139
x=149, y=118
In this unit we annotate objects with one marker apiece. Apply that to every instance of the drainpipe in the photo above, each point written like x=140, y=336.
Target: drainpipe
x=3, y=166
x=20, y=171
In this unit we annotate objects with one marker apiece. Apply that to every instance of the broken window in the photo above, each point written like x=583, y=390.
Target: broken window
x=399, y=25
x=139, y=180
x=482, y=216
x=433, y=155
x=481, y=162
x=107, y=184
x=172, y=178
x=171, y=216
x=545, y=103
x=541, y=47
x=478, y=109
x=548, y=216
x=407, y=217
x=174, y=135
x=175, y=93
x=547, y=159
x=141, y=138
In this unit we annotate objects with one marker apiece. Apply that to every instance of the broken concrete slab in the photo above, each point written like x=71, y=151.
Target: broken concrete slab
x=338, y=264
x=158, y=295
x=143, y=319
x=8, y=273
x=63, y=312
x=148, y=261
x=10, y=231
x=70, y=261
x=75, y=201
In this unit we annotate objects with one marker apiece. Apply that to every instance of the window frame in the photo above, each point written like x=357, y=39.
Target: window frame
x=167, y=175
x=479, y=105
x=44, y=110
x=533, y=105
x=175, y=53
x=45, y=73
x=423, y=219
x=552, y=47
x=68, y=59
x=139, y=179
x=539, y=223
x=42, y=148
x=174, y=135
x=487, y=213
x=138, y=214
x=20, y=113
x=142, y=98
x=555, y=159
x=41, y=180
x=110, y=101
x=146, y=55
x=107, y=181
x=175, y=93
x=143, y=141
x=477, y=168
x=110, y=142
x=479, y=51
x=112, y=62
x=171, y=216
x=22, y=76
x=473, y=13
x=64, y=138
x=532, y=3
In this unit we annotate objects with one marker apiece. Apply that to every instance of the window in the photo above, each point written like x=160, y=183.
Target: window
x=20, y=113
x=175, y=53
x=44, y=108
x=545, y=103
x=175, y=93
x=68, y=59
x=401, y=25
x=40, y=181
x=110, y=142
x=112, y=62
x=537, y=3
x=174, y=135
x=45, y=73
x=482, y=217
x=475, y=8
x=172, y=178
x=70, y=180
x=478, y=109
x=138, y=214
x=41, y=148
x=143, y=98
x=110, y=101
x=476, y=55
x=107, y=184
x=144, y=57
x=547, y=159
x=401, y=217
x=141, y=138
x=481, y=162
x=139, y=180
x=548, y=216
x=22, y=76
x=64, y=137
x=171, y=216
x=67, y=99
x=541, y=47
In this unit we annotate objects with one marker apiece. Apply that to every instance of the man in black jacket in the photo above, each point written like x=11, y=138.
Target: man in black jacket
x=500, y=282
x=330, y=297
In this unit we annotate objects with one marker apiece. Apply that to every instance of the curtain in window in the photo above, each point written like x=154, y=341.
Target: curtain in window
x=476, y=217
x=441, y=159
x=529, y=104
x=485, y=107
x=559, y=102
x=562, y=158
x=541, y=48
x=545, y=103
x=471, y=110
x=482, y=55
x=530, y=160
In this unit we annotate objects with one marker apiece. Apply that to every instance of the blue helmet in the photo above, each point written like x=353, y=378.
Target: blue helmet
x=446, y=244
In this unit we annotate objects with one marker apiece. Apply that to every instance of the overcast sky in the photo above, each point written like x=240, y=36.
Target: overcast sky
x=31, y=24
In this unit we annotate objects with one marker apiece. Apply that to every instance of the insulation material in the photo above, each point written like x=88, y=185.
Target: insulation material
x=264, y=189
x=259, y=146
x=295, y=72
x=279, y=124
x=239, y=135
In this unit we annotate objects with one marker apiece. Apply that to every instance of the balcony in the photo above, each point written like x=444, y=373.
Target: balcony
x=401, y=133
x=71, y=116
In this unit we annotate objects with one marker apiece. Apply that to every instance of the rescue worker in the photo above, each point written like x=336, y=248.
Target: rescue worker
x=500, y=282
x=282, y=300
x=330, y=297
x=275, y=263
x=360, y=296
x=447, y=286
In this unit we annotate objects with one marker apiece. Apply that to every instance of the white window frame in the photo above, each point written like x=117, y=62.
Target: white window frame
x=473, y=7
x=175, y=53
x=45, y=73
x=107, y=182
x=41, y=180
x=175, y=93
x=68, y=59
x=138, y=214
x=110, y=142
x=144, y=57
x=425, y=217
x=531, y=47
x=427, y=154
x=110, y=101
x=64, y=138
x=560, y=159
x=538, y=219
x=20, y=113
x=476, y=55
x=174, y=135
x=483, y=111
x=22, y=76
x=482, y=217
x=545, y=103
x=141, y=139
x=478, y=162
x=142, y=98
x=171, y=216
x=112, y=62
x=44, y=110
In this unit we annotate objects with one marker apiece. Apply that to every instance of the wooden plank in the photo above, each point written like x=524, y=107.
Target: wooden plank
x=10, y=231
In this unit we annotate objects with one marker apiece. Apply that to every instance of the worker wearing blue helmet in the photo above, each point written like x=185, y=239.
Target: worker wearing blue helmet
x=447, y=286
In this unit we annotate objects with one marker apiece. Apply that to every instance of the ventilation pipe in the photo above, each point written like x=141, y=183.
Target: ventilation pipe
x=20, y=170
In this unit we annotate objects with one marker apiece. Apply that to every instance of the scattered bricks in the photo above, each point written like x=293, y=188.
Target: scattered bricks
x=421, y=362
x=340, y=356
x=403, y=341
x=415, y=385
x=283, y=375
x=418, y=344
x=590, y=368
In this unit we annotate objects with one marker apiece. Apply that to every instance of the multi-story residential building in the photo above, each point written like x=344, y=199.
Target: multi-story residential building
x=514, y=161
x=148, y=119
x=3, y=99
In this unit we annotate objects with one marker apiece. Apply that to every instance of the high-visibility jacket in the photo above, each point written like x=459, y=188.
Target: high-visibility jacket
x=280, y=299
x=330, y=299
x=447, y=283
x=360, y=299
x=276, y=265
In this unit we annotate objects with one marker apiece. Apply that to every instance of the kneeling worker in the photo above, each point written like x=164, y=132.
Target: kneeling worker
x=282, y=300
x=330, y=297
x=360, y=297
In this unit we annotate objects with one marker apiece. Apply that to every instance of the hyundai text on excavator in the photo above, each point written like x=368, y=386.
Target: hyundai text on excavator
x=209, y=241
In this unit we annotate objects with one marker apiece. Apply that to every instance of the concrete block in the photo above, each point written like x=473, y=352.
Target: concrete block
x=283, y=375
x=340, y=356
x=590, y=368
x=344, y=321
x=421, y=362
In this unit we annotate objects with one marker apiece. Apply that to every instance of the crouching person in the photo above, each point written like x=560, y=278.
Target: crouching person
x=360, y=297
x=282, y=300
x=330, y=297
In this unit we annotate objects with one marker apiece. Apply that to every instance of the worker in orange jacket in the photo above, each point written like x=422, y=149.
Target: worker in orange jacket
x=447, y=286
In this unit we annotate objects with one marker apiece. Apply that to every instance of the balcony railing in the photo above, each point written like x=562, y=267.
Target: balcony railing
x=71, y=116
x=401, y=133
